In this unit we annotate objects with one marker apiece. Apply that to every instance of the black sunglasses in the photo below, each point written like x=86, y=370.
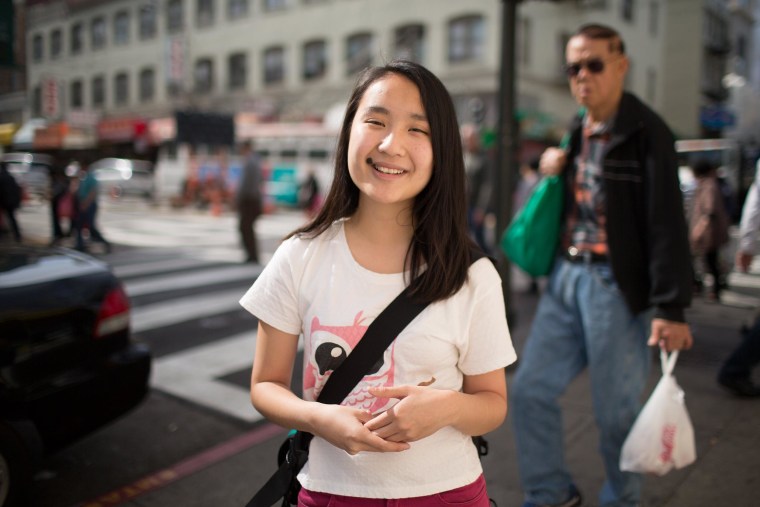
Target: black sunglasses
x=594, y=65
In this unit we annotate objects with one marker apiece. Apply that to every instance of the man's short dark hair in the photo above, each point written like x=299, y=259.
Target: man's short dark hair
x=596, y=31
x=702, y=167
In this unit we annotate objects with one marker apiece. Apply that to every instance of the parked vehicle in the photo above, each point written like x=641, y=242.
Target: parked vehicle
x=32, y=171
x=119, y=177
x=68, y=364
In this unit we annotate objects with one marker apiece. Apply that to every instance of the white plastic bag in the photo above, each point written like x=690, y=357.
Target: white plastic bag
x=662, y=437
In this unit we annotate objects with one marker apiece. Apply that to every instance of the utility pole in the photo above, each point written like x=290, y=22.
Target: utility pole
x=507, y=145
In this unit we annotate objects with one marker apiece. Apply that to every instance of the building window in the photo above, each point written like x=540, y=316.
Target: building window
x=466, y=38
x=98, y=91
x=274, y=65
x=121, y=89
x=77, y=38
x=237, y=71
x=358, y=52
x=237, y=9
x=314, y=59
x=409, y=42
x=204, y=13
x=37, y=101
x=38, y=48
x=626, y=11
x=147, y=85
x=274, y=5
x=147, y=21
x=204, y=75
x=121, y=28
x=174, y=16
x=98, y=33
x=654, y=17
x=56, y=43
x=77, y=94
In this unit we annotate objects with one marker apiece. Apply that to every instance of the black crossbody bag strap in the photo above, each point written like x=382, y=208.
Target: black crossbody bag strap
x=376, y=339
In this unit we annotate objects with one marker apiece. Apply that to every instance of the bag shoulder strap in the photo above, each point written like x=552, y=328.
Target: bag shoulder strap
x=377, y=338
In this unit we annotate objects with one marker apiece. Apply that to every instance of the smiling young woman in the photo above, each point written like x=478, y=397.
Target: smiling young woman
x=394, y=218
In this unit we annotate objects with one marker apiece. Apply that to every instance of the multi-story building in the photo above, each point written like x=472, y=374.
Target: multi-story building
x=123, y=68
x=12, y=68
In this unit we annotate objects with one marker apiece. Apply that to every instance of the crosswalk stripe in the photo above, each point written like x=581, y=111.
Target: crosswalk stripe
x=175, y=311
x=193, y=374
x=246, y=273
x=154, y=267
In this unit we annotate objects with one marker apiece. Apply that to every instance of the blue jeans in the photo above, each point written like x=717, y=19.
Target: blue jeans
x=582, y=321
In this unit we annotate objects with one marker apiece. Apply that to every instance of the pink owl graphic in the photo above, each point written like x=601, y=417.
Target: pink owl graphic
x=328, y=347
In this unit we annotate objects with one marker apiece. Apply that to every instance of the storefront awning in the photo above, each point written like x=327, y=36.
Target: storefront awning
x=121, y=130
x=6, y=133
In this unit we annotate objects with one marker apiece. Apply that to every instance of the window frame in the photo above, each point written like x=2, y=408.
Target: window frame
x=98, y=91
x=359, y=52
x=98, y=33
x=150, y=95
x=121, y=22
x=309, y=49
x=272, y=76
x=121, y=89
x=469, y=45
x=237, y=80
x=199, y=86
x=416, y=53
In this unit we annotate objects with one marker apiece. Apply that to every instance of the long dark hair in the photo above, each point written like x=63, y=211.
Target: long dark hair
x=438, y=256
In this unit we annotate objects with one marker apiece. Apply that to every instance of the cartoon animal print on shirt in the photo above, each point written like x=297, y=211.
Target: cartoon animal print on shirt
x=328, y=347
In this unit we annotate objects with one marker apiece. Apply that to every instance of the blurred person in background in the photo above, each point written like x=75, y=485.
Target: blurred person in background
x=10, y=200
x=708, y=224
x=623, y=273
x=478, y=175
x=736, y=372
x=87, y=210
x=248, y=201
x=59, y=192
x=309, y=194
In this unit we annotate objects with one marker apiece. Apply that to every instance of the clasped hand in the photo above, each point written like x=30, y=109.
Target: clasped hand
x=416, y=415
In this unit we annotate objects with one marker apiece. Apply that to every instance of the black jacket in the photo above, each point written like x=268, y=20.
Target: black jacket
x=646, y=229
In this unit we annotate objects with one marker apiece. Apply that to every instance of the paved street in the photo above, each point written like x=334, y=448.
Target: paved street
x=197, y=442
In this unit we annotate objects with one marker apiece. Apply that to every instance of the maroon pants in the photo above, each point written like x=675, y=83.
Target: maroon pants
x=472, y=495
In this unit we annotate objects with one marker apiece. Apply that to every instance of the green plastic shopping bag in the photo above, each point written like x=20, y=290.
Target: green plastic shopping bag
x=530, y=240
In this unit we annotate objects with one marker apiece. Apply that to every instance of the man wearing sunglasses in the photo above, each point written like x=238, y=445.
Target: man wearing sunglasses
x=621, y=281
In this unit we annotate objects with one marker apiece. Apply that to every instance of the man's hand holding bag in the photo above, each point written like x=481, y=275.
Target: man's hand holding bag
x=662, y=437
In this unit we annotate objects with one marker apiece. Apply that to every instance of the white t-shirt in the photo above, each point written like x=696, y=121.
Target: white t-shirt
x=315, y=288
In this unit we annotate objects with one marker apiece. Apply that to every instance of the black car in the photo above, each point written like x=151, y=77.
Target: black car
x=68, y=364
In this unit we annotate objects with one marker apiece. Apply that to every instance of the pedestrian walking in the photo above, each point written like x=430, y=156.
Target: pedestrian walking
x=10, y=200
x=623, y=273
x=478, y=184
x=87, y=213
x=708, y=224
x=59, y=202
x=394, y=217
x=736, y=372
x=249, y=203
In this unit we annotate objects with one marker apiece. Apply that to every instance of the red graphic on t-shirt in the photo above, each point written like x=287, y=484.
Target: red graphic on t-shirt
x=328, y=347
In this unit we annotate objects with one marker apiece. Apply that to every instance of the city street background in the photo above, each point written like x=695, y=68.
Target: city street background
x=196, y=440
